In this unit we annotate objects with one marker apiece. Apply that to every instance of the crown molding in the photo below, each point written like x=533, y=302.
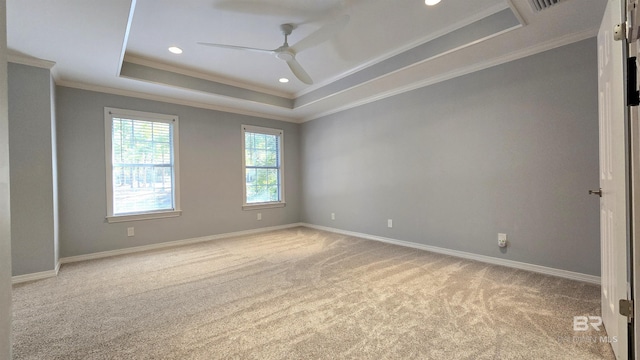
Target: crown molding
x=171, y=100
x=134, y=59
x=18, y=58
x=532, y=50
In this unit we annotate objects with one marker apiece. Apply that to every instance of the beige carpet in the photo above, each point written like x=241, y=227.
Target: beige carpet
x=301, y=294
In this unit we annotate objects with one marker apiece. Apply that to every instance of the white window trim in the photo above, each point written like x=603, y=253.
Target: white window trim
x=264, y=205
x=109, y=113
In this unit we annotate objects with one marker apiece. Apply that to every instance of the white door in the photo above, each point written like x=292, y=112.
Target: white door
x=613, y=175
x=634, y=50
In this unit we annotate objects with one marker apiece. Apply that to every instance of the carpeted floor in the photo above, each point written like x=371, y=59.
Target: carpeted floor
x=301, y=294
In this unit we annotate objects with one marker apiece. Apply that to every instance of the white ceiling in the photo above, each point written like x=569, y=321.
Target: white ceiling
x=370, y=58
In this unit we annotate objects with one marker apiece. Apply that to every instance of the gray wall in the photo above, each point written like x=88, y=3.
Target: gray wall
x=210, y=175
x=5, y=214
x=32, y=156
x=511, y=149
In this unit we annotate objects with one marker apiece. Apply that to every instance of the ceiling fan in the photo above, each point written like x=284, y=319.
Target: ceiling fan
x=288, y=53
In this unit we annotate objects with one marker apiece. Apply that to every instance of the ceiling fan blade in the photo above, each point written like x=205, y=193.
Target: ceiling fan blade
x=298, y=71
x=321, y=35
x=237, y=47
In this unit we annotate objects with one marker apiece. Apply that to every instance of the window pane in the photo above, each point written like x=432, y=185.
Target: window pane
x=262, y=167
x=248, y=140
x=271, y=158
x=256, y=194
x=261, y=177
x=161, y=154
x=251, y=194
x=260, y=141
x=248, y=157
x=271, y=193
x=272, y=177
x=272, y=142
x=142, y=166
x=251, y=176
x=260, y=158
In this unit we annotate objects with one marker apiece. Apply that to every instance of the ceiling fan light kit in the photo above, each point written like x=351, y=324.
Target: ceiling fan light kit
x=288, y=53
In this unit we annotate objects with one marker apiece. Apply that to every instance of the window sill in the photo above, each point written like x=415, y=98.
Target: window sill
x=144, y=216
x=263, y=206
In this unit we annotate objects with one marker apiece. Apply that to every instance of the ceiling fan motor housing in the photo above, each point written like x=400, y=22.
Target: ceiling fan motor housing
x=285, y=54
x=286, y=29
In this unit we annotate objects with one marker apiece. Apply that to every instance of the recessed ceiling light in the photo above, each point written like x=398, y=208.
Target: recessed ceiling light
x=283, y=80
x=431, y=2
x=175, y=50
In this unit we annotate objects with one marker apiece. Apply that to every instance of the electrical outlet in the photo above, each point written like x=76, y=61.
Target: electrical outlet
x=259, y=217
x=130, y=231
x=333, y=216
x=502, y=240
x=389, y=223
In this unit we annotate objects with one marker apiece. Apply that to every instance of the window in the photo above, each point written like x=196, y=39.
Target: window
x=142, y=165
x=263, y=168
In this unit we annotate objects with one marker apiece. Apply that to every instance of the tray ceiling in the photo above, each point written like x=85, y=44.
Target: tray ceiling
x=387, y=47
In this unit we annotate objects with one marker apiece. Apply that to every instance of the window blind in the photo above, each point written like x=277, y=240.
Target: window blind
x=142, y=163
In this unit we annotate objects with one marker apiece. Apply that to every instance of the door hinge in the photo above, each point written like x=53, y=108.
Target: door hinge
x=619, y=32
x=626, y=308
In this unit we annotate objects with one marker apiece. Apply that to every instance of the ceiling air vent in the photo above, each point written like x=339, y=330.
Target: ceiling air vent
x=539, y=5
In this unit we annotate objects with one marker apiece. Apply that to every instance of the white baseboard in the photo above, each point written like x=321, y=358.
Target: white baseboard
x=461, y=254
x=465, y=255
x=53, y=273
x=36, y=276
x=104, y=254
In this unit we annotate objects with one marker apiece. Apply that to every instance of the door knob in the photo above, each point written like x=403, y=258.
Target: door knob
x=596, y=192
